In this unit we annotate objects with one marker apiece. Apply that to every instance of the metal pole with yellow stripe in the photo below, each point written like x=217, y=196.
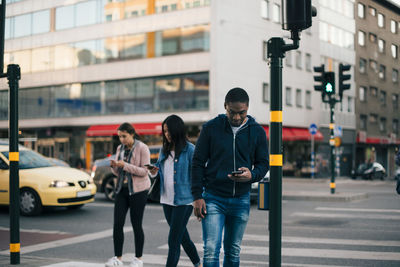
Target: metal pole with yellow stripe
x=332, y=143
x=276, y=51
x=13, y=75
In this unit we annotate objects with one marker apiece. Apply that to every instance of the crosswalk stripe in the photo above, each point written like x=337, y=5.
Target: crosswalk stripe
x=348, y=215
x=359, y=210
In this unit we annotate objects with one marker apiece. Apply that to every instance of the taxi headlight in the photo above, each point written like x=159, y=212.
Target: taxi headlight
x=58, y=184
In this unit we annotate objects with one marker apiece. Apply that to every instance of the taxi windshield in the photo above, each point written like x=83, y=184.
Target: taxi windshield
x=29, y=159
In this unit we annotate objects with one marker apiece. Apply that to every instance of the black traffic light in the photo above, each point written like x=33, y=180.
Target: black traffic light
x=329, y=83
x=319, y=78
x=342, y=78
x=297, y=14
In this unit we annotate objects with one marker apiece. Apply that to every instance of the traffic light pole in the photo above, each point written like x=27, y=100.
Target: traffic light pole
x=332, y=103
x=276, y=51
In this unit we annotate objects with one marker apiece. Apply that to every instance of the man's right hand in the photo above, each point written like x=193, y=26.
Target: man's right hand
x=200, y=209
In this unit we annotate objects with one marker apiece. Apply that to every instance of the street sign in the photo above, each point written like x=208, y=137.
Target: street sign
x=313, y=129
x=338, y=131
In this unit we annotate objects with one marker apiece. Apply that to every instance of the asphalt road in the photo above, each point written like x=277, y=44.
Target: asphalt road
x=316, y=232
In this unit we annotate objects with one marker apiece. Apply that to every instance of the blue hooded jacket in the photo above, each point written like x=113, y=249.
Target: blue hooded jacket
x=218, y=152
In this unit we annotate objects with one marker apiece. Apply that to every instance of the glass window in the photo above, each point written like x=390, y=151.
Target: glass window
x=361, y=10
x=41, y=60
x=323, y=31
x=276, y=13
x=382, y=125
x=134, y=46
x=395, y=76
x=382, y=72
x=91, y=100
x=195, y=39
x=361, y=38
x=266, y=92
x=350, y=104
x=299, y=64
x=85, y=13
x=381, y=46
x=22, y=25
x=381, y=20
x=299, y=101
x=395, y=126
x=372, y=11
x=395, y=101
x=394, y=49
x=112, y=48
x=374, y=91
x=288, y=58
x=65, y=17
x=7, y=29
x=373, y=65
x=308, y=62
x=362, y=65
x=85, y=53
x=265, y=50
x=393, y=26
x=363, y=122
x=23, y=59
x=363, y=94
x=265, y=9
x=372, y=37
x=308, y=99
x=64, y=56
x=373, y=118
x=288, y=96
x=382, y=98
x=168, y=42
x=41, y=22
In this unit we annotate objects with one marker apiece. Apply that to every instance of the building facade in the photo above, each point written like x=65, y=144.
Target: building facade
x=377, y=82
x=89, y=65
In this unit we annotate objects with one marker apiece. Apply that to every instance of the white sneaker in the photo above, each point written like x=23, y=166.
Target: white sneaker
x=136, y=263
x=114, y=261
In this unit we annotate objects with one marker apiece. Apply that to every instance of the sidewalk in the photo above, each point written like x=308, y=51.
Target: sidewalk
x=303, y=189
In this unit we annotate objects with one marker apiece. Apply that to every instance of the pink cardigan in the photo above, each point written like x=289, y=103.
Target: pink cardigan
x=140, y=156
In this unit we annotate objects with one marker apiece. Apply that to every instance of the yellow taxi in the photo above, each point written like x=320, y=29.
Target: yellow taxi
x=42, y=183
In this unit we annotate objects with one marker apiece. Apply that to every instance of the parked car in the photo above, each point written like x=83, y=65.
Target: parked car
x=254, y=190
x=44, y=184
x=370, y=171
x=58, y=162
x=105, y=180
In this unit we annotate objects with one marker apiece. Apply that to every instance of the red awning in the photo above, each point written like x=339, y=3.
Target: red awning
x=296, y=134
x=377, y=140
x=111, y=129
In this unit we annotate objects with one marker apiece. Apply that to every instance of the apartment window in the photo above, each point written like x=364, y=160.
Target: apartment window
x=308, y=62
x=350, y=104
x=41, y=22
x=65, y=17
x=265, y=51
x=266, y=92
x=361, y=38
x=395, y=76
x=382, y=98
x=374, y=91
x=372, y=37
x=381, y=46
x=363, y=122
x=276, y=13
x=395, y=126
x=373, y=118
x=373, y=65
x=395, y=101
x=22, y=25
x=381, y=20
x=362, y=93
x=298, y=98
x=289, y=58
x=288, y=96
x=372, y=11
x=394, y=48
x=382, y=124
x=298, y=60
x=362, y=65
x=265, y=9
x=85, y=13
x=308, y=99
x=393, y=26
x=361, y=10
x=382, y=72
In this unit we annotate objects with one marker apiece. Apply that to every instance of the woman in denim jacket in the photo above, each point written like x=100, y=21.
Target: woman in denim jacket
x=174, y=168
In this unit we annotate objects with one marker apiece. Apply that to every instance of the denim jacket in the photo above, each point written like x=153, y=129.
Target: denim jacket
x=182, y=175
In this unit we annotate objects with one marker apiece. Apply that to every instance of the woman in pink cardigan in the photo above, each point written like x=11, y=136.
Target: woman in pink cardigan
x=131, y=191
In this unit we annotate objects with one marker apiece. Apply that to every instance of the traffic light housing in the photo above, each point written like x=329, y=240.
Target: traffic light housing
x=319, y=78
x=297, y=14
x=342, y=78
x=329, y=83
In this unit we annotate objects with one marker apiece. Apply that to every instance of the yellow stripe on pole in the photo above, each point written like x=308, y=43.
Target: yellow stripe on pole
x=261, y=196
x=14, y=247
x=14, y=156
x=333, y=185
x=331, y=126
x=276, y=116
x=275, y=160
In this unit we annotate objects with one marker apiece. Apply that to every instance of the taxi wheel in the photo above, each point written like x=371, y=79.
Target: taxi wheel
x=30, y=202
x=108, y=185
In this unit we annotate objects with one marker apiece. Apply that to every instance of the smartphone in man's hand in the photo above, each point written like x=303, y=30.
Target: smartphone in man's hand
x=238, y=172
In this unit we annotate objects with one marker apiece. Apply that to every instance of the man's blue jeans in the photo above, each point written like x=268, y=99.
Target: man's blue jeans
x=230, y=215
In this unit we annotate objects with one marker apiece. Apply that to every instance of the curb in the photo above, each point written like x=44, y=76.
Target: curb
x=323, y=196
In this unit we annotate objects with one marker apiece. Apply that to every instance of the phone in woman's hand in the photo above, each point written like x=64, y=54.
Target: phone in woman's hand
x=150, y=166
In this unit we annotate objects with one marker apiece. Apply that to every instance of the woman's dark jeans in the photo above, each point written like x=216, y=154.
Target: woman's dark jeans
x=177, y=218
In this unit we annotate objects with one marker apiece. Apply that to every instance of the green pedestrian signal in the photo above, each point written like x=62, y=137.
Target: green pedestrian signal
x=328, y=88
x=329, y=83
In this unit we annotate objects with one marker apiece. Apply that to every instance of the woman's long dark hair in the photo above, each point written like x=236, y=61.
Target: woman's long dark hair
x=177, y=131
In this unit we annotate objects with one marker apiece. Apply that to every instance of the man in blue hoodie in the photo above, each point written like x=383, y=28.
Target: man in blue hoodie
x=227, y=143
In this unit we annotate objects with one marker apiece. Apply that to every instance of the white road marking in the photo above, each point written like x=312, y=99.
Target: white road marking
x=359, y=210
x=36, y=231
x=348, y=216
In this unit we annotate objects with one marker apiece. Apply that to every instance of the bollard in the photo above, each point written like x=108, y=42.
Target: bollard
x=263, y=194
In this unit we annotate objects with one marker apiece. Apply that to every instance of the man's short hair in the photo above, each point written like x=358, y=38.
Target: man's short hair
x=237, y=94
